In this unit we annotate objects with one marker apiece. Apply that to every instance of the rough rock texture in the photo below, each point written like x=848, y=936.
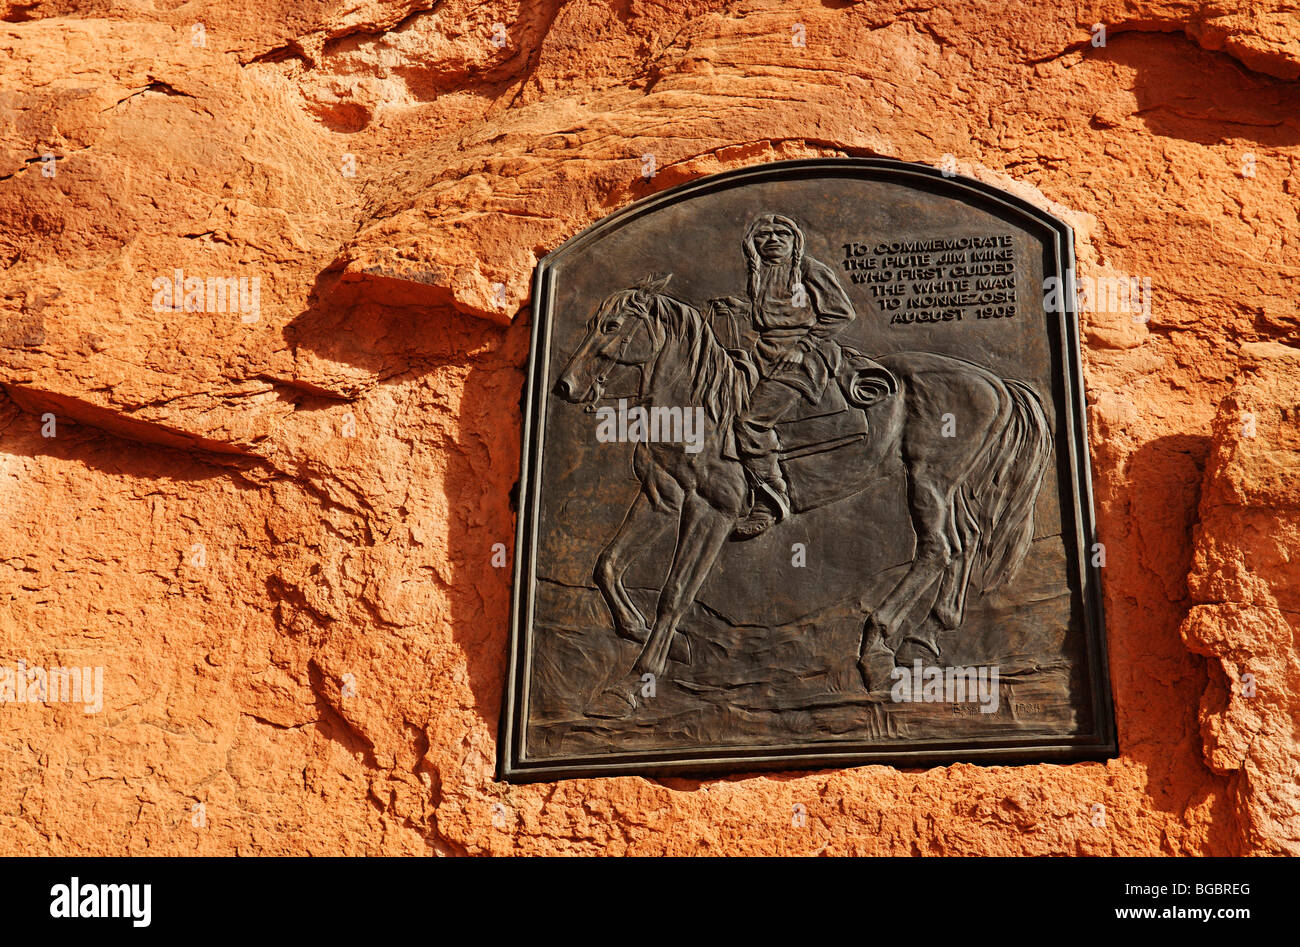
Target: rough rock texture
x=273, y=525
x=1247, y=611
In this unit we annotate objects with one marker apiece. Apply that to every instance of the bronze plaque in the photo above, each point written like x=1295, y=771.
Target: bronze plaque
x=805, y=484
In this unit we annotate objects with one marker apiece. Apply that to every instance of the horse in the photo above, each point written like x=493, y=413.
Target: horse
x=971, y=498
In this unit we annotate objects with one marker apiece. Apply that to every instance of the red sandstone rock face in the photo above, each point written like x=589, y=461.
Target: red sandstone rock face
x=1247, y=609
x=276, y=533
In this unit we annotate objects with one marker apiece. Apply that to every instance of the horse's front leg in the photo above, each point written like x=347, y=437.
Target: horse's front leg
x=702, y=531
x=640, y=527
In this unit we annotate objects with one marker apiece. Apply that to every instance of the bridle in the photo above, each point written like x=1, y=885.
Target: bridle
x=637, y=317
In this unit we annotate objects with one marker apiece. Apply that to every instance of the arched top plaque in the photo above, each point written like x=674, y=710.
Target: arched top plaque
x=805, y=484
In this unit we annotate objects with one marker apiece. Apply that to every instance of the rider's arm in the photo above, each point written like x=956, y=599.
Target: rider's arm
x=829, y=302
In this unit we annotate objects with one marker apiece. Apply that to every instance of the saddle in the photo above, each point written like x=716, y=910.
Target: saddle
x=839, y=416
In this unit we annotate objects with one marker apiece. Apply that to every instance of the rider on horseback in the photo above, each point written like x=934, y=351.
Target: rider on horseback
x=797, y=306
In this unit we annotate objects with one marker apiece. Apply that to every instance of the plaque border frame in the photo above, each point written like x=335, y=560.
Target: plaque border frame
x=513, y=766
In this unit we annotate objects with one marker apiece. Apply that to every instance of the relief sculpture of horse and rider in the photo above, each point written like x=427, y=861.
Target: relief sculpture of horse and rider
x=794, y=422
x=752, y=500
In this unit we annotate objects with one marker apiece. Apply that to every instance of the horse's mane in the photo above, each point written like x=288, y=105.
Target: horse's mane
x=716, y=383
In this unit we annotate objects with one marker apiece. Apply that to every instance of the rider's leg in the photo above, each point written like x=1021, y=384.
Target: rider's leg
x=757, y=444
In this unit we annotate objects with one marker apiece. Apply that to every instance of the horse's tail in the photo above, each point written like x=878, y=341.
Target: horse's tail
x=1000, y=493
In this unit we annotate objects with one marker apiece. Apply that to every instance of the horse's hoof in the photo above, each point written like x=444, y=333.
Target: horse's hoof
x=638, y=633
x=613, y=703
x=877, y=667
x=913, y=650
x=679, y=650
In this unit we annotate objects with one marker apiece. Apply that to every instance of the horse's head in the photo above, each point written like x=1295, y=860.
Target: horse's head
x=622, y=337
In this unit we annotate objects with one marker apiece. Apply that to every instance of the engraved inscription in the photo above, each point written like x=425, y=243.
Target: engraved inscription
x=937, y=280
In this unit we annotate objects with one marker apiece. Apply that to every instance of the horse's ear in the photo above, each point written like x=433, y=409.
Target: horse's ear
x=654, y=283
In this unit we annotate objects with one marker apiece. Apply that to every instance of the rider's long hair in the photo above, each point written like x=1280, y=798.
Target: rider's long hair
x=755, y=262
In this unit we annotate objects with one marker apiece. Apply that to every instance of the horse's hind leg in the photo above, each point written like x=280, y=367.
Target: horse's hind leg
x=950, y=604
x=930, y=504
x=921, y=641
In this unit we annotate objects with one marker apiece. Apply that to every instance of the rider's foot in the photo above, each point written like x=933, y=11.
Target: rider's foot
x=759, y=521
